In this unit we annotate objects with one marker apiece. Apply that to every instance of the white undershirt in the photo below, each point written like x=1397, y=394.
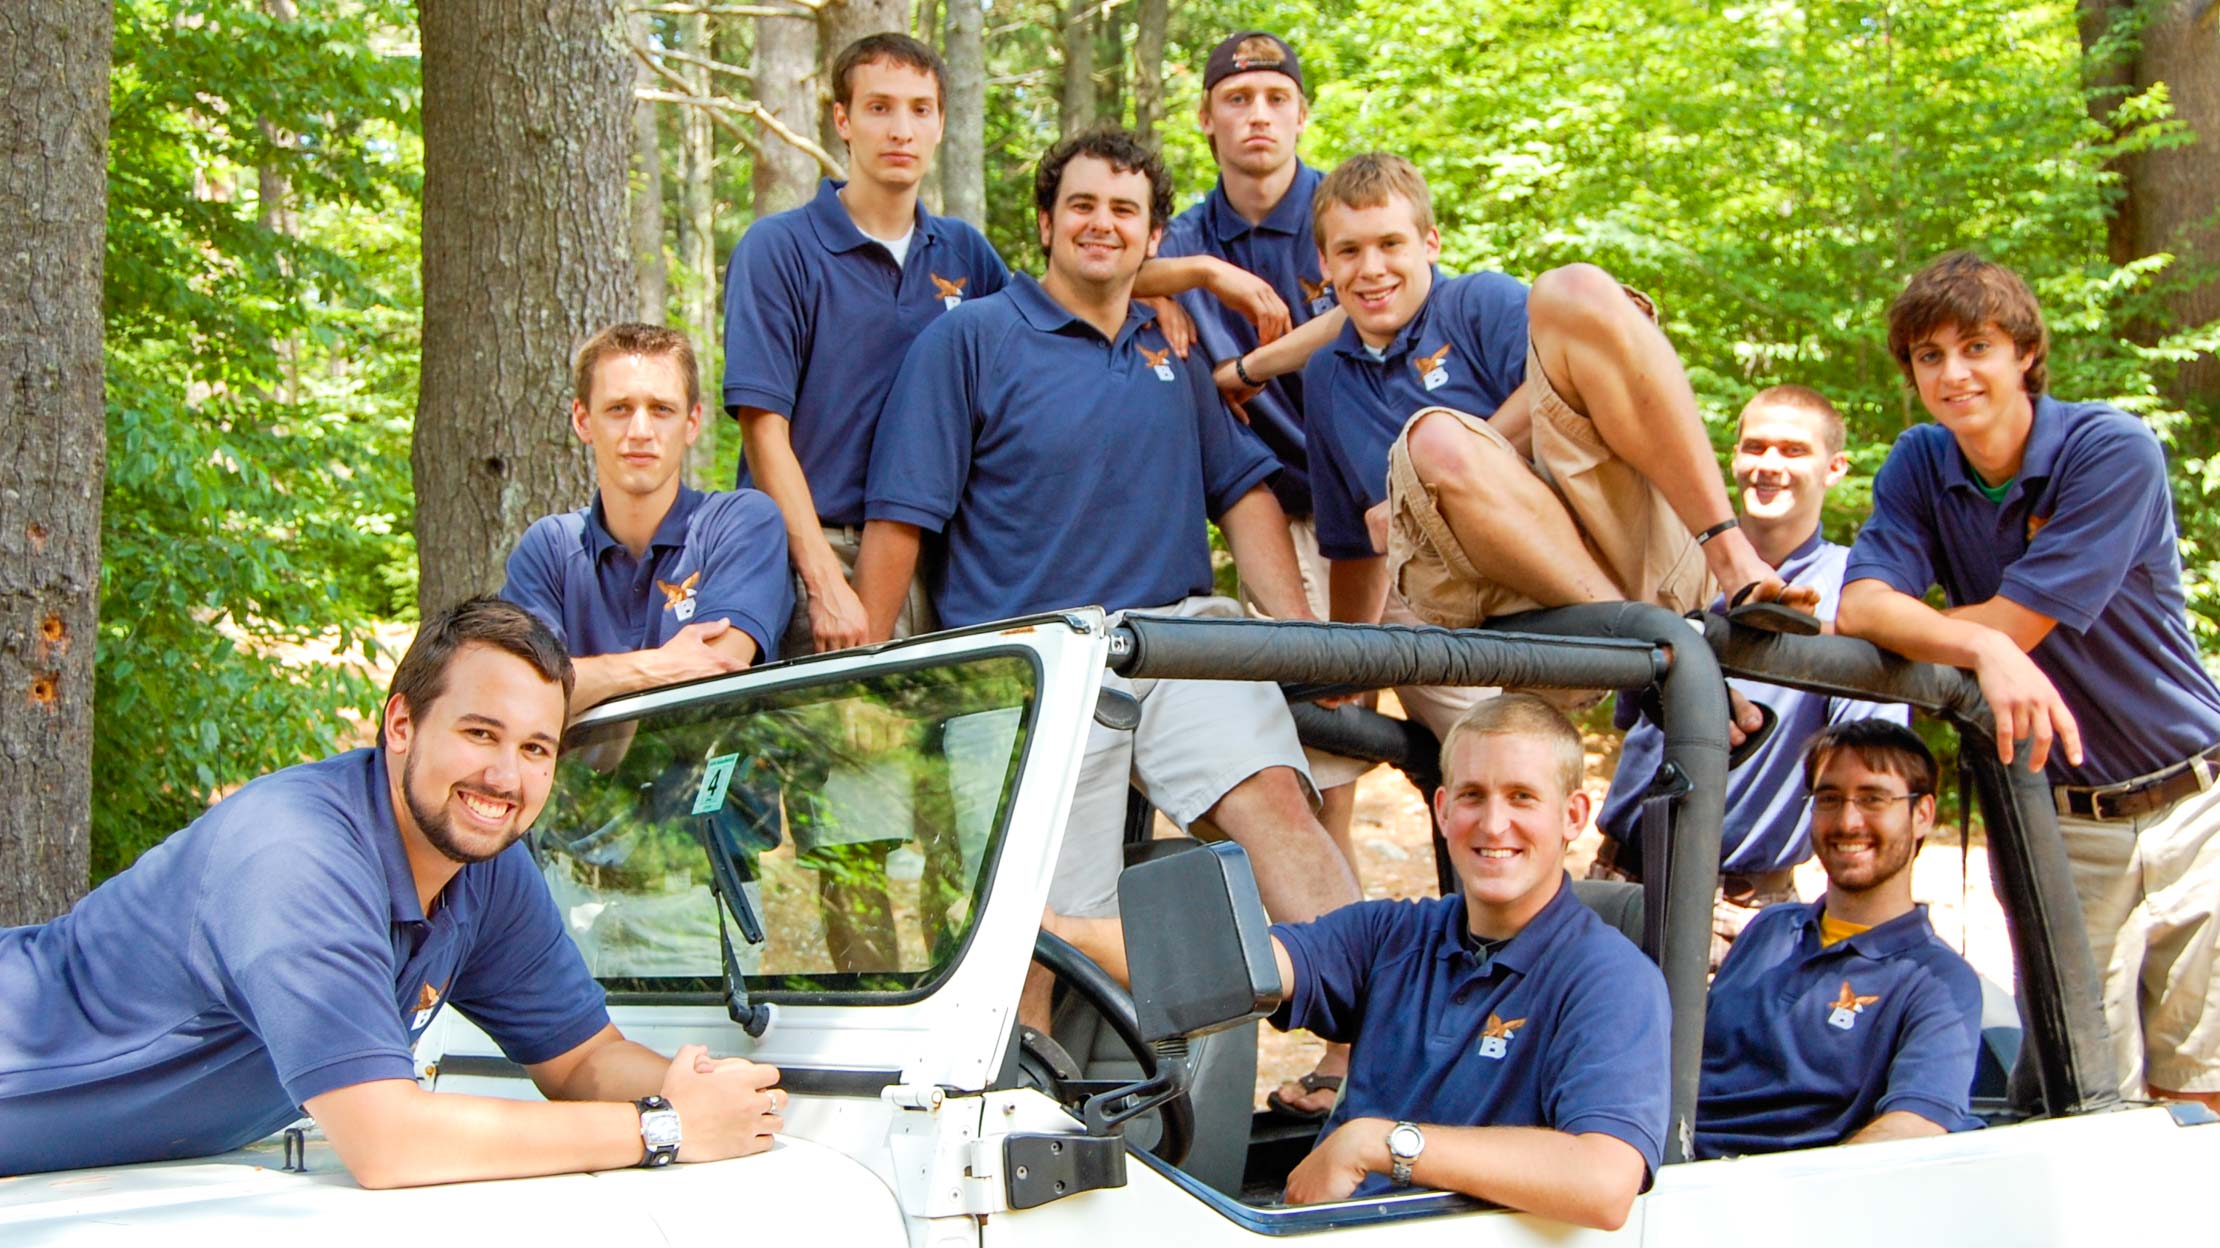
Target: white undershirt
x=1377, y=353
x=899, y=248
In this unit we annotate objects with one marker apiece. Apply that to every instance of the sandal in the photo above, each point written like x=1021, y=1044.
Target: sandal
x=1737, y=755
x=1312, y=1082
x=1771, y=617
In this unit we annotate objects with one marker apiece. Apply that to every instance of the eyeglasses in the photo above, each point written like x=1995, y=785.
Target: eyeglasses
x=1867, y=803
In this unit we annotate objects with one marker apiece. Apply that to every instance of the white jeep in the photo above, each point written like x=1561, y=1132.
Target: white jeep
x=838, y=865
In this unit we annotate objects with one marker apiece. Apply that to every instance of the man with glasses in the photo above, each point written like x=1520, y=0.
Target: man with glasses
x=1845, y=1020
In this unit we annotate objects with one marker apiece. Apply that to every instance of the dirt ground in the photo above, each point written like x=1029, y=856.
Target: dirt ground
x=1393, y=836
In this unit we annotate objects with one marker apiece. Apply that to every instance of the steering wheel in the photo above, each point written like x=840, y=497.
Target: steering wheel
x=1110, y=999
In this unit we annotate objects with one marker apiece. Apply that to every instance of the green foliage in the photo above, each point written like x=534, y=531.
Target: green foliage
x=260, y=385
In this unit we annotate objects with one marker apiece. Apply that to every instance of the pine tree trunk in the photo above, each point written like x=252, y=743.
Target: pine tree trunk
x=53, y=441
x=648, y=261
x=697, y=242
x=963, y=152
x=1148, y=67
x=1079, y=67
x=785, y=84
x=839, y=24
x=527, y=141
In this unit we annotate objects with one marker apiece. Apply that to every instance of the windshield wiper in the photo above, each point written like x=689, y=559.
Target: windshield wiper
x=727, y=884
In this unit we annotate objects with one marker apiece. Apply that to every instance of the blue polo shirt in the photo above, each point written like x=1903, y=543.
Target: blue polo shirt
x=719, y=556
x=1063, y=469
x=1768, y=826
x=1465, y=349
x=272, y=951
x=1282, y=250
x=2085, y=535
x=1803, y=1046
x=817, y=317
x=1567, y=1027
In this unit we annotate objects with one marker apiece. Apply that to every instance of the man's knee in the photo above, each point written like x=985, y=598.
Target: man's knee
x=1444, y=452
x=1580, y=301
x=1266, y=801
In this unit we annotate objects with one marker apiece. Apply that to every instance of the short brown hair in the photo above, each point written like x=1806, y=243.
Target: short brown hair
x=1881, y=744
x=1802, y=399
x=1368, y=181
x=1965, y=292
x=421, y=677
x=1116, y=147
x=634, y=338
x=1519, y=715
x=894, y=48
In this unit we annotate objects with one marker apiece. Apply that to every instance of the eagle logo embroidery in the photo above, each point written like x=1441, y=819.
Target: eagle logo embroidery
x=1431, y=374
x=679, y=599
x=1495, y=1037
x=1319, y=295
x=951, y=292
x=1161, y=361
x=426, y=1001
x=1847, y=1007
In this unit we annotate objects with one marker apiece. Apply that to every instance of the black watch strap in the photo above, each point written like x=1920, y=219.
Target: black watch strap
x=659, y=1134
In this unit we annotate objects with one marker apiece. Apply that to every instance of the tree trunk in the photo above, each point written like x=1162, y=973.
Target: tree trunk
x=1110, y=24
x=1148, y=67
x=53, y=441
x=527, y=141
x=648, y=260
x=697, y=239
x=838, y=25
x=963, y=152
x=785, y=85
x=274, y=208
x=2170, y=199
x=1079, y=67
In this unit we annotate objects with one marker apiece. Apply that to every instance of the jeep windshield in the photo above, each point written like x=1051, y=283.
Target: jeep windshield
x=856, y=818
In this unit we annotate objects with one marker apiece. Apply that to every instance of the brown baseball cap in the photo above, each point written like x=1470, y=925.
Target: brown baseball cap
x=1250, y=50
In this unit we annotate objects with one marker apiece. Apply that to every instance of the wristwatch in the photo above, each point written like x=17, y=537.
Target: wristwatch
x=1405, y=1143
x=658, y=1132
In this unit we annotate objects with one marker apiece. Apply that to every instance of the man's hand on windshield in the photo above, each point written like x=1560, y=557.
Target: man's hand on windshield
x=688, y=655
x=1340, y=1162
x=2025, y=704
x=727, y=1107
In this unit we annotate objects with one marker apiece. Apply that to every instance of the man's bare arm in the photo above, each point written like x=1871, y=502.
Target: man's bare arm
x=709, y=648
x=1289, y=352
x=836, y=617
x=1587, y=1180
x=1897, y=1124
x=884, y=565
x=1356, y=589
x=1236, y=287
x=2026, y=705
x=1256, y=531
x=2024, y=626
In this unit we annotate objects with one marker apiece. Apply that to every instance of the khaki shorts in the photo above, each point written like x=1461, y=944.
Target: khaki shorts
x=915, y=617
x=1626, y=524
x=1196, y=741
x=2149, y=889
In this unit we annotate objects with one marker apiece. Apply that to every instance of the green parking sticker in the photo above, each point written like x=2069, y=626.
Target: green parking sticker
x=714, y=781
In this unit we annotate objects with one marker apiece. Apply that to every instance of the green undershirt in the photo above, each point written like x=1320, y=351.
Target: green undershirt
x=1994, y=493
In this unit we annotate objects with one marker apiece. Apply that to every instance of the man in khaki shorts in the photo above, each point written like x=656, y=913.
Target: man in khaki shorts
x=1510, y=422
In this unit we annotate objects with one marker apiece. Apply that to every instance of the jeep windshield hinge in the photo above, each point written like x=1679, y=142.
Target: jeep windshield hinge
x=1037, y=1169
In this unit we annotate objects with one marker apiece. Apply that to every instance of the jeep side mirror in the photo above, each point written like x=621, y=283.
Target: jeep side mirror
x=1196, y=941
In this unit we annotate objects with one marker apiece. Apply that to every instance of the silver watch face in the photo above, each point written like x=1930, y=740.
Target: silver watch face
x=1405, y=1141
x=659, y=1128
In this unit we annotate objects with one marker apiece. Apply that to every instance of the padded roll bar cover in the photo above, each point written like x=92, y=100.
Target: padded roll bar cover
x=1374, y=655
x=1196, y=942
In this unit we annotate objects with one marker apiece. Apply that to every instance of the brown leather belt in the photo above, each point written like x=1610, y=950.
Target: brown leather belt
x=2133, y=799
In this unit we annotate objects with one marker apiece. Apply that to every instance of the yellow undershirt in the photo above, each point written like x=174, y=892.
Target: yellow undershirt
x=1832, y=929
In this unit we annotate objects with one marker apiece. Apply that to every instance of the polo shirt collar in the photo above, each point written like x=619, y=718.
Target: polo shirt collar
x=1289, y=216
x=1042, y=312
x=384, y=831
x=1350, y=344
x=2045, y=435
x=836, y=231
x=1807, y=548
x=1524, y=951
x=669, y=534
x=1884, y=940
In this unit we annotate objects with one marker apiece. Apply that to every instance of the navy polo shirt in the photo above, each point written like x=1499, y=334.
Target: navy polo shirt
x=719, y=556
x=1565, y=1028
x=1282, y=250
x=272, y=951
x=1768, y=825
x=817, y=317
x=1803, y=1045
x=2085, y=535
x=1063, y=469
x=1466, y=349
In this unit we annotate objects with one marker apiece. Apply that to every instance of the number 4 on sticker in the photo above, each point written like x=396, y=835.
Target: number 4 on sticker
x=715, y=779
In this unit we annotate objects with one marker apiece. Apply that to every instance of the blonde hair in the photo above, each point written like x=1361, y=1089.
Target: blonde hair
x=1519, y=715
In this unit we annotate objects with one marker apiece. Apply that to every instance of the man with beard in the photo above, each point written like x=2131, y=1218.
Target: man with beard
x=287, y=949
x=1845, y=1019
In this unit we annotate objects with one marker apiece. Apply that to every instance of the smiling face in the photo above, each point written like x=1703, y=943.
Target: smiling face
x=1380, y=263
x=1866, y=851
x=1507, y=818
x=1253, y=120
x=1973, y=383
x=1099, y=232
x=1783, y=466
x=477, y=760
x=891, y=123
x=638, y=423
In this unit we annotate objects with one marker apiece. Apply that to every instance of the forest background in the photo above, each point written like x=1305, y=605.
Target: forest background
x=294, y=281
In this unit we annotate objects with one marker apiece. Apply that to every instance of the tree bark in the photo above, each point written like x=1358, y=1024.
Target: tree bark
x=785, y=85
x=697, y=239
x=838, y=25
x=527, y=142
x=53, y=440
x=648, y=259
x=1110, y=24
x=1148, y=67
x=1079, y=67
x=963, y=150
